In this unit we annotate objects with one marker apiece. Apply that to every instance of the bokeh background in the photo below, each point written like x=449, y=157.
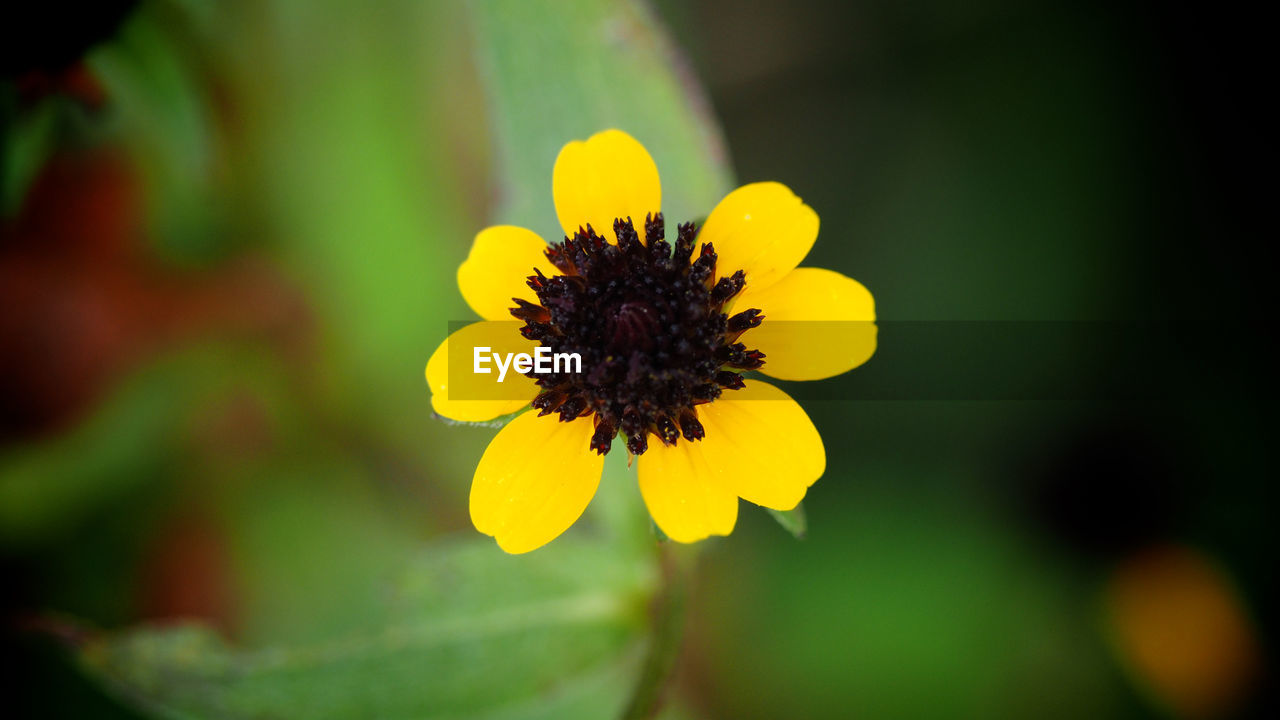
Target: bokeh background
x=230, y=233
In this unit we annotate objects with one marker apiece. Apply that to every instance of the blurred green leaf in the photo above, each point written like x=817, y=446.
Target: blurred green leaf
x=915, y=602
x=129, y=439
x=304, y=519
x=793, y=521
x=559, y=71
x=160, y=105
x=26, y=139
x=466, y=632
x=46, y=486
x=344, y=163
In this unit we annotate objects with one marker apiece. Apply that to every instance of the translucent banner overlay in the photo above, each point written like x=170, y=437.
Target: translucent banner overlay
x=891, y=361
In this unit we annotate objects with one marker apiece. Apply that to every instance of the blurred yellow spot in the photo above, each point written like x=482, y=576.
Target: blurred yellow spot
x=1180, y=628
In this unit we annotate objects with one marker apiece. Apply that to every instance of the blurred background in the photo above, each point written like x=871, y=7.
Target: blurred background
x=229, y=239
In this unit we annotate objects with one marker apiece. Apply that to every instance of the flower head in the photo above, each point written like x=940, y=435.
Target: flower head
x=664, y=329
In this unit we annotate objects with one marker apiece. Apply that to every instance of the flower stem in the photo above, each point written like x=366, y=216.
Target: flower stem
x=668, y=633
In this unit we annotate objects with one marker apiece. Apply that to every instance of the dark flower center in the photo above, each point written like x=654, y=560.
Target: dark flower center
x=648, y=322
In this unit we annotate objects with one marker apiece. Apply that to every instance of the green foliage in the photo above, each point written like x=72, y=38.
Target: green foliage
x=159, y=105
x=793, y=521
x=345, y=168
x=558, y=71
x=127, y=441
x=466, y=632
x=25, y=142
x=891, y=593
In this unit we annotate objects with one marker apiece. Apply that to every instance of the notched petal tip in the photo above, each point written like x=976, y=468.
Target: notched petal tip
x=762, y=228
x=607, y=176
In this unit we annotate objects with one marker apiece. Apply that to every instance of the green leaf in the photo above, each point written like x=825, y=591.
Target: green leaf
x=127, y=440
x=556, y=71
x=794, y=521
x=466, y=632
x=163, y=113
x=26, y=140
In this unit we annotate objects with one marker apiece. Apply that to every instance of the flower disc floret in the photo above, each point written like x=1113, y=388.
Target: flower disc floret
x=648, y=321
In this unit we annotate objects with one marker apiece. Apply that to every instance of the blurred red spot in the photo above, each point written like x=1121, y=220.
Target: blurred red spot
x=187, y=575
x=83, y=298
x=76, y=82
x=67, y=312
x=1181, y=629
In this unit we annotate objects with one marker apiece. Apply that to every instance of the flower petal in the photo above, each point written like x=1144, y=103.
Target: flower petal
x=762, y=444
x=495, y=270
x=817, y=324
x=763, y=229
x=469, y=397
x=684, y=493
x=534, y=480
x=609, y=175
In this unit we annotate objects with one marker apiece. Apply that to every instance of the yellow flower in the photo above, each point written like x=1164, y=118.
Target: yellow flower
x=660, y=328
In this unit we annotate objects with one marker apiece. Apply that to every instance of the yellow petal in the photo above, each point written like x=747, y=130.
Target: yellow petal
x=685, y=494
x=762, y=444
x=464, y=395
x=495, y=270
x=817, y=324
x=534, y=480
x=762, y=229
x=608, y=176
